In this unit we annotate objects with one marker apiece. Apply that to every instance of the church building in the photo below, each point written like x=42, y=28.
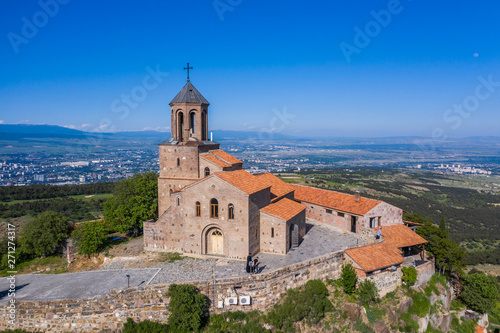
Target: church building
x=209, y=205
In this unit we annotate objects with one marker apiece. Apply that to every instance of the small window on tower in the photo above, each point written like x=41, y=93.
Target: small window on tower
x=272, y=232
x=230, y=212
x=178, y=201
x=178, y=162
x=207, y=171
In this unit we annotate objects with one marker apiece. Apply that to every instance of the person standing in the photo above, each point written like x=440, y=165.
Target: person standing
x=379, y=233
x=249, y=262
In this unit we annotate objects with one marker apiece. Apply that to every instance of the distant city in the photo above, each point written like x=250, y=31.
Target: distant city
x=63, y=169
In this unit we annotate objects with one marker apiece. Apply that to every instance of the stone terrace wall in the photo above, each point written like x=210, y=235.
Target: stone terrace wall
x=386, y=281
x=425, y=272
x=150, y=302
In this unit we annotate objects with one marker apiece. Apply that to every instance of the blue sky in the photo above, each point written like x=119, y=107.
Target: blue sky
x=326, y=68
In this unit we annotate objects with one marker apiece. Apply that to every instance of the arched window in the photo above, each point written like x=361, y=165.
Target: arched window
x=178, y=162
x=230, y=212
x=214, y=208
x=204, y=125
x=198, y=209
x=207, y=171
x=180, y=126
x=192, y=122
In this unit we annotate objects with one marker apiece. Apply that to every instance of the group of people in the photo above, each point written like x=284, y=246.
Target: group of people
x=252, y=265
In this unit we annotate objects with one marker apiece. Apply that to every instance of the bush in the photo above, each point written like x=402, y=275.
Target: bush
x=90, y=237
x=145, y=326
x=186, y=308
x=367, y=292
x=348, y=278
x=310, y=302
x=480, y=292
x=409, y=275
x=236, y=322
x=421, y=305
x=410, y=325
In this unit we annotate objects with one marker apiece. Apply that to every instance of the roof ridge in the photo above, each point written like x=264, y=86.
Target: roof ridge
x=220, y=158
x=322, y=189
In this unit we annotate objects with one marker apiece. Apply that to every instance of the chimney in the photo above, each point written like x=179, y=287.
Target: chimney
x=357, y=196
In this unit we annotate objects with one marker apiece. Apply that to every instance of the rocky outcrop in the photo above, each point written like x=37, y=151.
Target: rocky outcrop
x=353, y=311
x=380, y=327
x=405, y=304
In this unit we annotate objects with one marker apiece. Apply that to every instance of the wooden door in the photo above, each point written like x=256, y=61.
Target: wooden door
x=216, y=242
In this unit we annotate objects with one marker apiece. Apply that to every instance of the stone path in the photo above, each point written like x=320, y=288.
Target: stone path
x=319, y=240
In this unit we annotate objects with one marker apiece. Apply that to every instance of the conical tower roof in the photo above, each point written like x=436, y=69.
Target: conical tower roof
x=189, y=94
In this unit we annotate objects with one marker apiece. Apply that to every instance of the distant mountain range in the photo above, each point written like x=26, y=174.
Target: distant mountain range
x=23, y=131
x=19, y=131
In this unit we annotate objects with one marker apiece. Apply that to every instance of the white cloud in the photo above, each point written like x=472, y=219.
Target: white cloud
x=24, y=121
x=86, y=125
x=70, y=126
x=2, y=121
x=158, y=129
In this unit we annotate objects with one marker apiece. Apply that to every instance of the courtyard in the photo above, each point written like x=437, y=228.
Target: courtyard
x=319, y=240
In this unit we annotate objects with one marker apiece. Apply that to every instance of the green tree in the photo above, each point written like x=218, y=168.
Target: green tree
x=443, y=227
x=348, y=278
x=186, y=309
x=480, y=292
x=448, y=254
x=409, y=275
x=134, y=201
x=44, y=234
x=90, y=237
x=367, y=292
x=310, y=302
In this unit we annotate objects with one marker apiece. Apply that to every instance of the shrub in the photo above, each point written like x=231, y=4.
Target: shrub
x=145, y=326
x=409, y=275
x=310, y=302
x=236, y=322
x=410, y=325
x=480, y=292
x=367, y=292
x=359, y=326
x=186, y=308
x=348, y=278
x=90, y=237
x=421, y=305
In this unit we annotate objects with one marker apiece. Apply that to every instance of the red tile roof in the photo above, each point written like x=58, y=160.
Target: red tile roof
x=225, y=156
x=278, y=187
x=284, y=208
x=401, y=236
x=215, y=160
x=334, y=200
x=412, y=223
x=376, y=256
x=243, y=180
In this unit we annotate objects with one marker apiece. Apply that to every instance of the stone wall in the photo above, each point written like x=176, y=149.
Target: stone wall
x=386, y=281
x=150, y=302
x=425, y=272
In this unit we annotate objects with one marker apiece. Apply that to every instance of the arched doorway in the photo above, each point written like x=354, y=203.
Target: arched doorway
x=215, y=242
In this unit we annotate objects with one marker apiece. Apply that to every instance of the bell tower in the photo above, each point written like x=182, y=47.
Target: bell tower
x=180, y=156
x=189, y=114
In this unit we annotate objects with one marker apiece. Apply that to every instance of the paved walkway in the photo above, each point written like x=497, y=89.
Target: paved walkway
x=319, y=240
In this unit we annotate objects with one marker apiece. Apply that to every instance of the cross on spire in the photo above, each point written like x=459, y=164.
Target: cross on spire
x=188, y=68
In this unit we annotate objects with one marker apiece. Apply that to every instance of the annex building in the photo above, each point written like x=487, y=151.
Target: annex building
x=209, y=205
